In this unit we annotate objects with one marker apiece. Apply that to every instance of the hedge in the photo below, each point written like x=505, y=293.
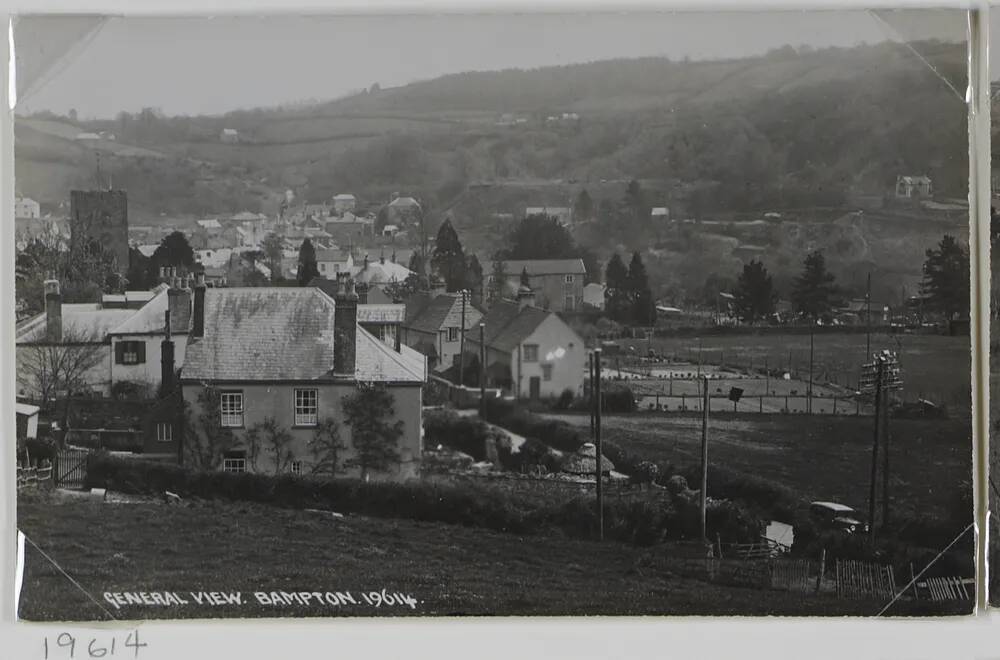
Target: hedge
x=638, y=521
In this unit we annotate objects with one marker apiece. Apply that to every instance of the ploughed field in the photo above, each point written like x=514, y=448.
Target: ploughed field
x=819, y=457
x=224, y=549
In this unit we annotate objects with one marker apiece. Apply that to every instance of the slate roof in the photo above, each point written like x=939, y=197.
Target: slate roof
x=381, y=313
x=443, y=311
x=332, y=255
x=148, y=318
x=89, y=320
x=382, y=273
x=507, y=325
x=284, y=333
x=404, y=202
x=514, y=267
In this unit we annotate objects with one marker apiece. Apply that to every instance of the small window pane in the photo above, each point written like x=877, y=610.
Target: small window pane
x=232, y=409
x=306, y=405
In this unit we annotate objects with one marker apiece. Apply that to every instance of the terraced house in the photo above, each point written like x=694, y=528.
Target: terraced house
x=288, y=357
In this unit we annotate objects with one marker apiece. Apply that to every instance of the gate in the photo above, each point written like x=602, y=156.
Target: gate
x=70, y=468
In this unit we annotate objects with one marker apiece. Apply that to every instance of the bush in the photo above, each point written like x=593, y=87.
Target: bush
x=619, y=399
x=461, y=433
x=37, y=449
x=565, y=400
x=557, y=434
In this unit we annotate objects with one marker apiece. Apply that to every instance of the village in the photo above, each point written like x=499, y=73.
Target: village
x=343, y=340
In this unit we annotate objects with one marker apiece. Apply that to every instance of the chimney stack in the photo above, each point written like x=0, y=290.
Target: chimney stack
x=525, y=297
x=198, y=314
x=53, y=311
x=179, y=305
x=166, y=359
x=345, y=322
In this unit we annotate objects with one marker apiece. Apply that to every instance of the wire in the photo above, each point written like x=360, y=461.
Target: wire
x=70, y=578
x=924, y=569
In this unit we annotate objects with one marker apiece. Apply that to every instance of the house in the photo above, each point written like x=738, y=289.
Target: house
x=25, y=207
x=343, y=203
x=530, y=352
x=331, y=262
x=659, y=213
x=857, y=310
x=350, y=228
x=50, y=231
x=593, y=295
x=402, y=211
x=381, y=272
x=27, y=420
x=433, y=326
x=910, y=187
x=562, y=214
x=557, y=283
x=390, y=230
x=384, y=321
x=212, y=225
x=213, y=258
x=229, y=136
x=290, y=356
x=310, y=211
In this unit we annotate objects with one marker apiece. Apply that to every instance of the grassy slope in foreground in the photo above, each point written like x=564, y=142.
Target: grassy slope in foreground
x=450, y=570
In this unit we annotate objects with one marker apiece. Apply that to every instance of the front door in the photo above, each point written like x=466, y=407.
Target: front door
x=535, y=387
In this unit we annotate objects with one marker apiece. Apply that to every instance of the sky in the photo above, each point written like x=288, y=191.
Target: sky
x=213, y=65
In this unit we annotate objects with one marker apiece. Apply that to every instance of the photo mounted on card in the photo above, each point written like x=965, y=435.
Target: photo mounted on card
x=441, y=315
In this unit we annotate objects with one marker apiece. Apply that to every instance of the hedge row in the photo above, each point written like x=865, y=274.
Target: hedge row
x=639, y=521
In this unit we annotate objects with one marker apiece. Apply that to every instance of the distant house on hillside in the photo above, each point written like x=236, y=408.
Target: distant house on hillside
x=229, y=136
x=344, y=202
x=909, y=187
x=25, y=207
x=558, y=283
x=331, y=262
x=659, y=213
x=402, y=211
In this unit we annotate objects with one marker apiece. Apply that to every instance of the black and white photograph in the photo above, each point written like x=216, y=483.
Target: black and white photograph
x=437, y=315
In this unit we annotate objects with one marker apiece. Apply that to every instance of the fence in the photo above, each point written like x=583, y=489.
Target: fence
x=862, y=580
x=801, y=575
x=34, y=475
x=70, y=470
x=791, y=404
x=947, y=588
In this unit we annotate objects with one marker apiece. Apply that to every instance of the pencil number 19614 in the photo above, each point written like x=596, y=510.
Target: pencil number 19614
x=112, y=645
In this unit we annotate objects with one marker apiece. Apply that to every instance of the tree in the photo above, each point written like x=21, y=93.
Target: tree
x=945, y=285
x=448, y=259
x=206, y=440
x=583, y=208
x=754, y=294
x=540, y=237
x=368, y=412
x=272, y=439
x=498, y=279
x=814, y=290
x=400, y=291
x=474, y=278
x=83, y=274
x=307, y=269
x=174, y=250
x=616, y=291
x=273, y=249
x=326, y=447
x=47, y=371
x=642, y=309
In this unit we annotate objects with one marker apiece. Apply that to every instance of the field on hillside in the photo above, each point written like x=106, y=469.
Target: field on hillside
x=817, y=457
x=448, y=570
x=934, y=367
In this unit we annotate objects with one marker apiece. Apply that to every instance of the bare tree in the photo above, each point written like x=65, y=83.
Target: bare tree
x=326, y=447
x=273, y=439
x=49, y=370
x=206, y=440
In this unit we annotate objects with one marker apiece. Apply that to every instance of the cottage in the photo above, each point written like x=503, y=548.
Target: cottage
x=331, y=262
x=229, y=136
x=381, y=272
x=25, y=207
x=343, y=203
x=659, y=213
x=557, y=283
x=290, y=356
x=909, y=187
x=433, y=326
x=402, y=211
x=530, y=352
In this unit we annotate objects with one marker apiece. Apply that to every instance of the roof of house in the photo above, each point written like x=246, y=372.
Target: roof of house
x=229, y=131
x=211, y=223
x=507, y=325
x=380, y=312
x=376, y=272
x=914, y=179
x=146, y=319
x=247, y=215
x=26, y=409
x=284, y=333
x=545, y=266
x=404, y=202
x=433, y=314
x=659, y=210
x=540, y=210
x=333, y=255
x=344, y=197
x=86, y=320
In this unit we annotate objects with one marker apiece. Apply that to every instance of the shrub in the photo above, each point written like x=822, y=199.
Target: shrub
x=564, y=401
x=619, y=399
x=38, y=449
x=465, y=434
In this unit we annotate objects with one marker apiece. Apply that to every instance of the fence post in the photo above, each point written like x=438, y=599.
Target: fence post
x=834, y=405
x=761, y=404
x=718, y=543
x=913, y=580
x=822, y=569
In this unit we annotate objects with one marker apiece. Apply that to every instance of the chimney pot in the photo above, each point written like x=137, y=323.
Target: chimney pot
x=345, y=322
x=53, y=311
x=198, y=313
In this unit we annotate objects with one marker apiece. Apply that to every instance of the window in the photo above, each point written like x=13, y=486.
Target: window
x=234, y=463
x=569, y=303
x=130, y=352
x=322, y=268
x=452, y=334
x=296, y=467
x=387, y=333
x=546, y=372
x=568, y=279
x=531, y=352
x=232, y=409
x=164, y=432
x=306, y=404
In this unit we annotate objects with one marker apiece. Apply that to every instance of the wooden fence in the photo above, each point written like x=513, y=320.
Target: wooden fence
x=783, y=574
x=862, y=580
x=34, y=475
x=947, y=588
x=71, y=468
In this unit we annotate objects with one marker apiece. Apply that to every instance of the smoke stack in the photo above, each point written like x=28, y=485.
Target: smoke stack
x=345, y=322
x=198, y=315
x=179, y=305
x=53, y=311
x=166, y=359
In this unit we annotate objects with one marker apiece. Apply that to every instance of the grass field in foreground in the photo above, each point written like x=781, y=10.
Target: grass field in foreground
x=818, y=457
x=449, y=570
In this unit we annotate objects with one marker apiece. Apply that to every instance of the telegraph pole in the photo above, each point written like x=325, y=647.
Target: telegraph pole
x=597, y=443
x=593, y=391
x=809, y=394
x=461, y=347
x=868, y=319
x=879, y=375
x=704, y=458
x=482, y=369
